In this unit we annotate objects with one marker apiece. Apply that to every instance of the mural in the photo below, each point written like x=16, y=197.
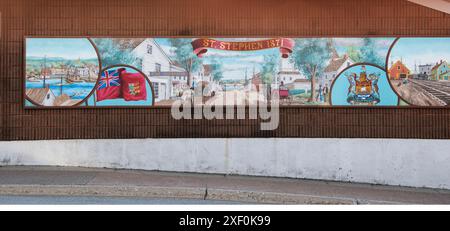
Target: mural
x=419, y=71
x=363, y=84
x=139, y=72
x=122, y=86
x=60, y=71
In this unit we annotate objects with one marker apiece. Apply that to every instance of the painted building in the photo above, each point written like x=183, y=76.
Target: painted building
x=287, y=73
x=440, y=71
x=45, y=73
x=398, y=70
x=159, y=68
x=337, y=65
x=41, y=96
x=58, y=72
x=425, y=69
x=301, y=84
x=256, y=82
x=204, y=74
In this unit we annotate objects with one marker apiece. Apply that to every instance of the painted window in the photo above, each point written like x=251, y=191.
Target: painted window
x=156, y=89
x=149, y=49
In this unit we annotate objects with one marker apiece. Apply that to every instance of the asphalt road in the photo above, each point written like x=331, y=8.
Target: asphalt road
x=81, y=200
x=69, y=185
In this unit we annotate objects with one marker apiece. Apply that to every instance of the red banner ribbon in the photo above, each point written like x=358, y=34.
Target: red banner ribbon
x=201, y=46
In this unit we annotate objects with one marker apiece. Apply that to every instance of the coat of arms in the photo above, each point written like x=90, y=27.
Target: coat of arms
x=363, y=89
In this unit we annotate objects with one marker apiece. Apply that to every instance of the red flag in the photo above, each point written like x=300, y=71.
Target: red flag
x=134, y=86
x=109, y=85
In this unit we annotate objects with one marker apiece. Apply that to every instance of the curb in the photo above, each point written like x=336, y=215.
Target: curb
x=172, y=192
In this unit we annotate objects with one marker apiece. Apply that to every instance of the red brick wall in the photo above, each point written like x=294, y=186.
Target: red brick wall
x=207, y=18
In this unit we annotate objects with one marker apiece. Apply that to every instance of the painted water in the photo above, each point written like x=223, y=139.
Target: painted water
x=77, y=90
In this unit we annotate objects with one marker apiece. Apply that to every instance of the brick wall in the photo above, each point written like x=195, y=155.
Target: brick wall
x=207, y=18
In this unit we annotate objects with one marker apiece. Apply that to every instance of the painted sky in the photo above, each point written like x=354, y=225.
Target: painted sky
x=381, y=44
x=420, y=51
x=67, y=48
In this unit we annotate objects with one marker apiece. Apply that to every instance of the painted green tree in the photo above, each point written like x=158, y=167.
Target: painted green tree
x=367, y=53
x=112, y=54
x=311, y=56
x=354, y=54
x=216, y=69
x=268, y=72
x=185, y=56
x=269, y=68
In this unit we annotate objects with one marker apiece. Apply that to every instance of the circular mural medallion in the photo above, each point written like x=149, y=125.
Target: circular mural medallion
x=60, y=71
x=363, y=84
x=419, y=71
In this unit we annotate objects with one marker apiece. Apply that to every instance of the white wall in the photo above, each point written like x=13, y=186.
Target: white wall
x=417, y=163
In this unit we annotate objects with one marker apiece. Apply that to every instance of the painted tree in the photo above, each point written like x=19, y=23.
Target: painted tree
x=216, y=69
x=369, y=52
x=268, y=72
x=354, y=54
x=185, y=56
x=112, y=54
x=269, y=68
x=311, y=56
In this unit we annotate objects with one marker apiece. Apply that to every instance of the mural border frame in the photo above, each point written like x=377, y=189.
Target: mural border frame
x=90, y=37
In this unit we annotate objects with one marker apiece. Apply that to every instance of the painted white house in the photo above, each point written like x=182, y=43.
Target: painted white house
x=302, y=84
x=204, y=74
x=291, y=77
x=41, y=96
x=160, y=69
x=287, y=73
x=337, y=65
x=425, y=69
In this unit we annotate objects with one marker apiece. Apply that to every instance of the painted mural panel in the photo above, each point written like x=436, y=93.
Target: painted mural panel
x=363, y=84
x=122, y=86
x=60, y=71
x=419, y=70
x=149, y=72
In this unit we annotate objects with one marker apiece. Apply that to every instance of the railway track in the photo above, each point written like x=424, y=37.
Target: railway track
x=438, y=90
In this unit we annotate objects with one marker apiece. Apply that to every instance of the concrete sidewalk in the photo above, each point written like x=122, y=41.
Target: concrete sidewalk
x=63, y=181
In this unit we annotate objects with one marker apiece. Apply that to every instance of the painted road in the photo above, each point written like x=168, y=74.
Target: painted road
x=83, y=200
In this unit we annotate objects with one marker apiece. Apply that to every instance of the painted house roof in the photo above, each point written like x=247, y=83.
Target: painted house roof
x=336, y=63
x=38, y=94
x=128, y=43
x=177, y=64
x=62, y=100
x=438, y=65
x=399, y=63
x=131, y=44
x=289, y=72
